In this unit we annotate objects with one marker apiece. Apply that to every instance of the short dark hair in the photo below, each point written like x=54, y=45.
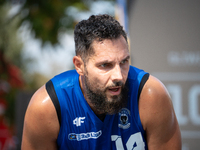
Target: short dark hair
x=97, y=27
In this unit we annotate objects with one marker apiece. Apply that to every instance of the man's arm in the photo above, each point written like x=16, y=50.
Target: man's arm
x=41, y=126
x=158, y=117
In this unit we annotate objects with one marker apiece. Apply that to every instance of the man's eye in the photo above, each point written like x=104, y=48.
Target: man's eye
x=124, y=61
x=104, y=65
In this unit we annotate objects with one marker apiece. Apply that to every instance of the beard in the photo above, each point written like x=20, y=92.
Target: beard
x=99, y=100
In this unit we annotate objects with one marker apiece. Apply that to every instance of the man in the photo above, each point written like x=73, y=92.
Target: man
x=104, y=103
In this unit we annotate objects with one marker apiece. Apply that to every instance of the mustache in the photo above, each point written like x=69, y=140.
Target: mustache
x=120, y=83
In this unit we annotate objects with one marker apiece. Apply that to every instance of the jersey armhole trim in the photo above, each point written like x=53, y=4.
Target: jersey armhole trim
x=52, y=94
x=142, y=83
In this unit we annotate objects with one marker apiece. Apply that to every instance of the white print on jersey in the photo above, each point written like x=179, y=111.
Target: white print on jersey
x=78, y=120
x=85, y=136
x=135, y=142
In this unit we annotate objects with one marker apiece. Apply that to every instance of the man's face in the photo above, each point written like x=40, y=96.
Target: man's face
x=105, y=75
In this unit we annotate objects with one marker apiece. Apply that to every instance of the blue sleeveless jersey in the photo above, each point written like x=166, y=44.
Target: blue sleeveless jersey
x=82, y=129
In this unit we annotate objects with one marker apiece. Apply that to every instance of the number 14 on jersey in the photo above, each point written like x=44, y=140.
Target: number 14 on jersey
x=135, y=142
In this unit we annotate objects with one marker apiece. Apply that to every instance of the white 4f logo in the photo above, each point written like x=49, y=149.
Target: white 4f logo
x=78, y=121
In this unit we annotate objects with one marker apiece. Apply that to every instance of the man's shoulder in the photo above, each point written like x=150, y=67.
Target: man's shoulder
x=154, y=89
x=40, y=101
x=158, y=117
x=154, y=99
x=41, y=122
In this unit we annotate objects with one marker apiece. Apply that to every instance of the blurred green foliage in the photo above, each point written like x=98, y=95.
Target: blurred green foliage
x=10, y=43
x=45, y=22
x=46, y=17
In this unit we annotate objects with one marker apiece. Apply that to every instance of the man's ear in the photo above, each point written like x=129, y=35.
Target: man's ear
x=79, y=64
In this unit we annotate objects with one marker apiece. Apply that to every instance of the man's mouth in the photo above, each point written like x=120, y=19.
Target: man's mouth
x=115, y=90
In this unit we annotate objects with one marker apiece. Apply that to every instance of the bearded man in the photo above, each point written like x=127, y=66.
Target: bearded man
x=105, y=103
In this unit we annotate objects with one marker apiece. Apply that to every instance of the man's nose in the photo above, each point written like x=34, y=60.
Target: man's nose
x=117, y=74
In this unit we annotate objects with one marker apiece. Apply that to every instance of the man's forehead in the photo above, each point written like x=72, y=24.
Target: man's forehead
x=105, y=57
x=109, y=45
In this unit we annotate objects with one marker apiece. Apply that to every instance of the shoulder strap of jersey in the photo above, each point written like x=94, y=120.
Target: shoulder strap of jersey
x=142, y=83
x=52, y=94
